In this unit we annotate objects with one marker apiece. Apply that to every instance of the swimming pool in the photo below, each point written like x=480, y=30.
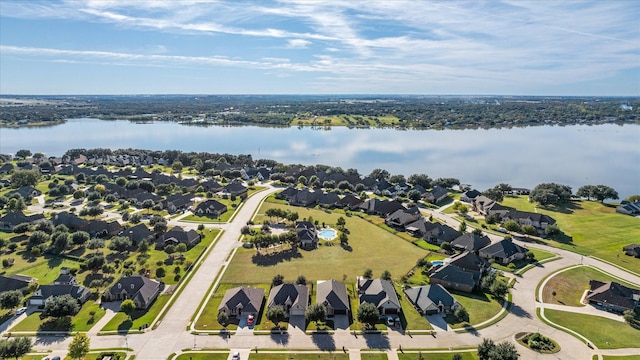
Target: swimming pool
x=327, y=234
x=437, y=262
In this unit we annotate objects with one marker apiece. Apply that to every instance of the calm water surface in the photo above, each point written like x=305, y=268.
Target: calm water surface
x=523, y=157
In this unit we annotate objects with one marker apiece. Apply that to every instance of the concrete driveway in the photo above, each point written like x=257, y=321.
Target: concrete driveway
x=437, y=321
x=341, y=322
x=297, y=323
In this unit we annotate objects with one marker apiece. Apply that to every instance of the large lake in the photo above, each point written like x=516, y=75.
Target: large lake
x=522, y=157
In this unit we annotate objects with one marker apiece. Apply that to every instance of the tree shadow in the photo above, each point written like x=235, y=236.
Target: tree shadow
x=275, y=258
x=377, y=341
x=48, y=340
x=324, y=342
x=280, y=338
x=519, y=311
x=347, y=247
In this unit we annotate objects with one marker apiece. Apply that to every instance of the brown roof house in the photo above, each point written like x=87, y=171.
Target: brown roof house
x=242, y=301
x=143, y=291
x=612, y=296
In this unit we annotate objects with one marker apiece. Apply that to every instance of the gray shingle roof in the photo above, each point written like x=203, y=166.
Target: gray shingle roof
x=377, y=292
x=248, y=298
x=426, y=297
x=333, y=293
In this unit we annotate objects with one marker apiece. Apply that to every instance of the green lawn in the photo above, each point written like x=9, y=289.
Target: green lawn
x=299, y=356
x=438, y=356
x=120, y=321
x=628, y=357
x=410, y=317
x=571, y=284
x=373, y=356
x=369, y=249
x=82, y=321
x=202, y=356
x=596, y=229
x=481, y=307
x=602, y=332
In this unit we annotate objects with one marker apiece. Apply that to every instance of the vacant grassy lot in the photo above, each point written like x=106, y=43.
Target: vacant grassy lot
x=603, y=332
x=120, y=322
x=571, y=284
x=299, y=356
x=596, y=229
x=370, y=247
x=481, y=307
x=438, y=356
x=203, y=356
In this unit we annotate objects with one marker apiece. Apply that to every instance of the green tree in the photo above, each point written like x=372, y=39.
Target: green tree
x=120, y=243
x=80, y=237
x=277, y=280
x=340, y=223
x=368, y=314
x=23, y=153
x=20, y=178
x=550, y=194
x=60, y=306
x=301, y=280
x=463, y=227
x=484, y=349
x=223, y=318
x=420, y=179
x=14, y=348
x=511, y=225
x=127, y=307
x=461, y=314
x=368, y=274
x=499, y=288
x=494, y=194
x=10, y=299
x=504, y=351
x=276, y=314
x=386, y=275
x=414, y=195
x=316, y=313
x=79, y=346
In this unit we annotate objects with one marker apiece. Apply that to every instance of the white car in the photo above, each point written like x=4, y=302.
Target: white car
x=21, y=311
x=236, y=356
x=390, y=321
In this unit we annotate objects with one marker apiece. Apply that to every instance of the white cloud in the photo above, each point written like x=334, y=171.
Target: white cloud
x=298, y=43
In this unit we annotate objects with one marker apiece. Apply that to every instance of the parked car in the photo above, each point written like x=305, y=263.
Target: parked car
x=236, y=356
x=55, y=358
x=390, y=321
x=21, y=311
x=250, y=320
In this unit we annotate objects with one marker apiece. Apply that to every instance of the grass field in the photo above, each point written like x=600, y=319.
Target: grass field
x=571, y=284
x=299, y=356
x=370, y=247
x=596, y=229
x=373, y=356
x=438, y=356
x=203, y=356
x=602, y=332
x=481, y=307
x=120, y=321
x=82, y=321
x=628, y=357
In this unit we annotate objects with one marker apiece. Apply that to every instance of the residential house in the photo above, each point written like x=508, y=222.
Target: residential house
x=537, y=220
x=471, y=263
x=612, y=296
x=504, y=252
x=470, y=242
x=333, y=295
x=242, y=301
x=307, y=235
x=211, y=208
x=328, y=200
x=382, y=208
x=15, y=282
x=138, y=233
x=178, y=235
x=143, y=291
x=452, y=277
x=629, y=208
x=437, y=194
x=65, y=284
x=293, y=297
x=432, y=299
x=212, y=185
x=400, y=218
x=27, y=192
x=6, y=168
x=177, y=202
x=305, y=197
x=65, y=277
x=469, y=196
x=380, y=293
x=632, y=250
x=350, y=202
x=235, y=188
x=14, y=218
x=437, y=233
x=95, y=228
x=486, y=206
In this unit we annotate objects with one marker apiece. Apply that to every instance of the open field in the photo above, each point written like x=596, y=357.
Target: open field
x=481, y=307
x=604, y=333
x=597, y=229
x=571, y=284
x=369, y=248
x=466, y=355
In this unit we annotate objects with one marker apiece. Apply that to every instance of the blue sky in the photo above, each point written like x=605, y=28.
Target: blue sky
x=320, y=47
